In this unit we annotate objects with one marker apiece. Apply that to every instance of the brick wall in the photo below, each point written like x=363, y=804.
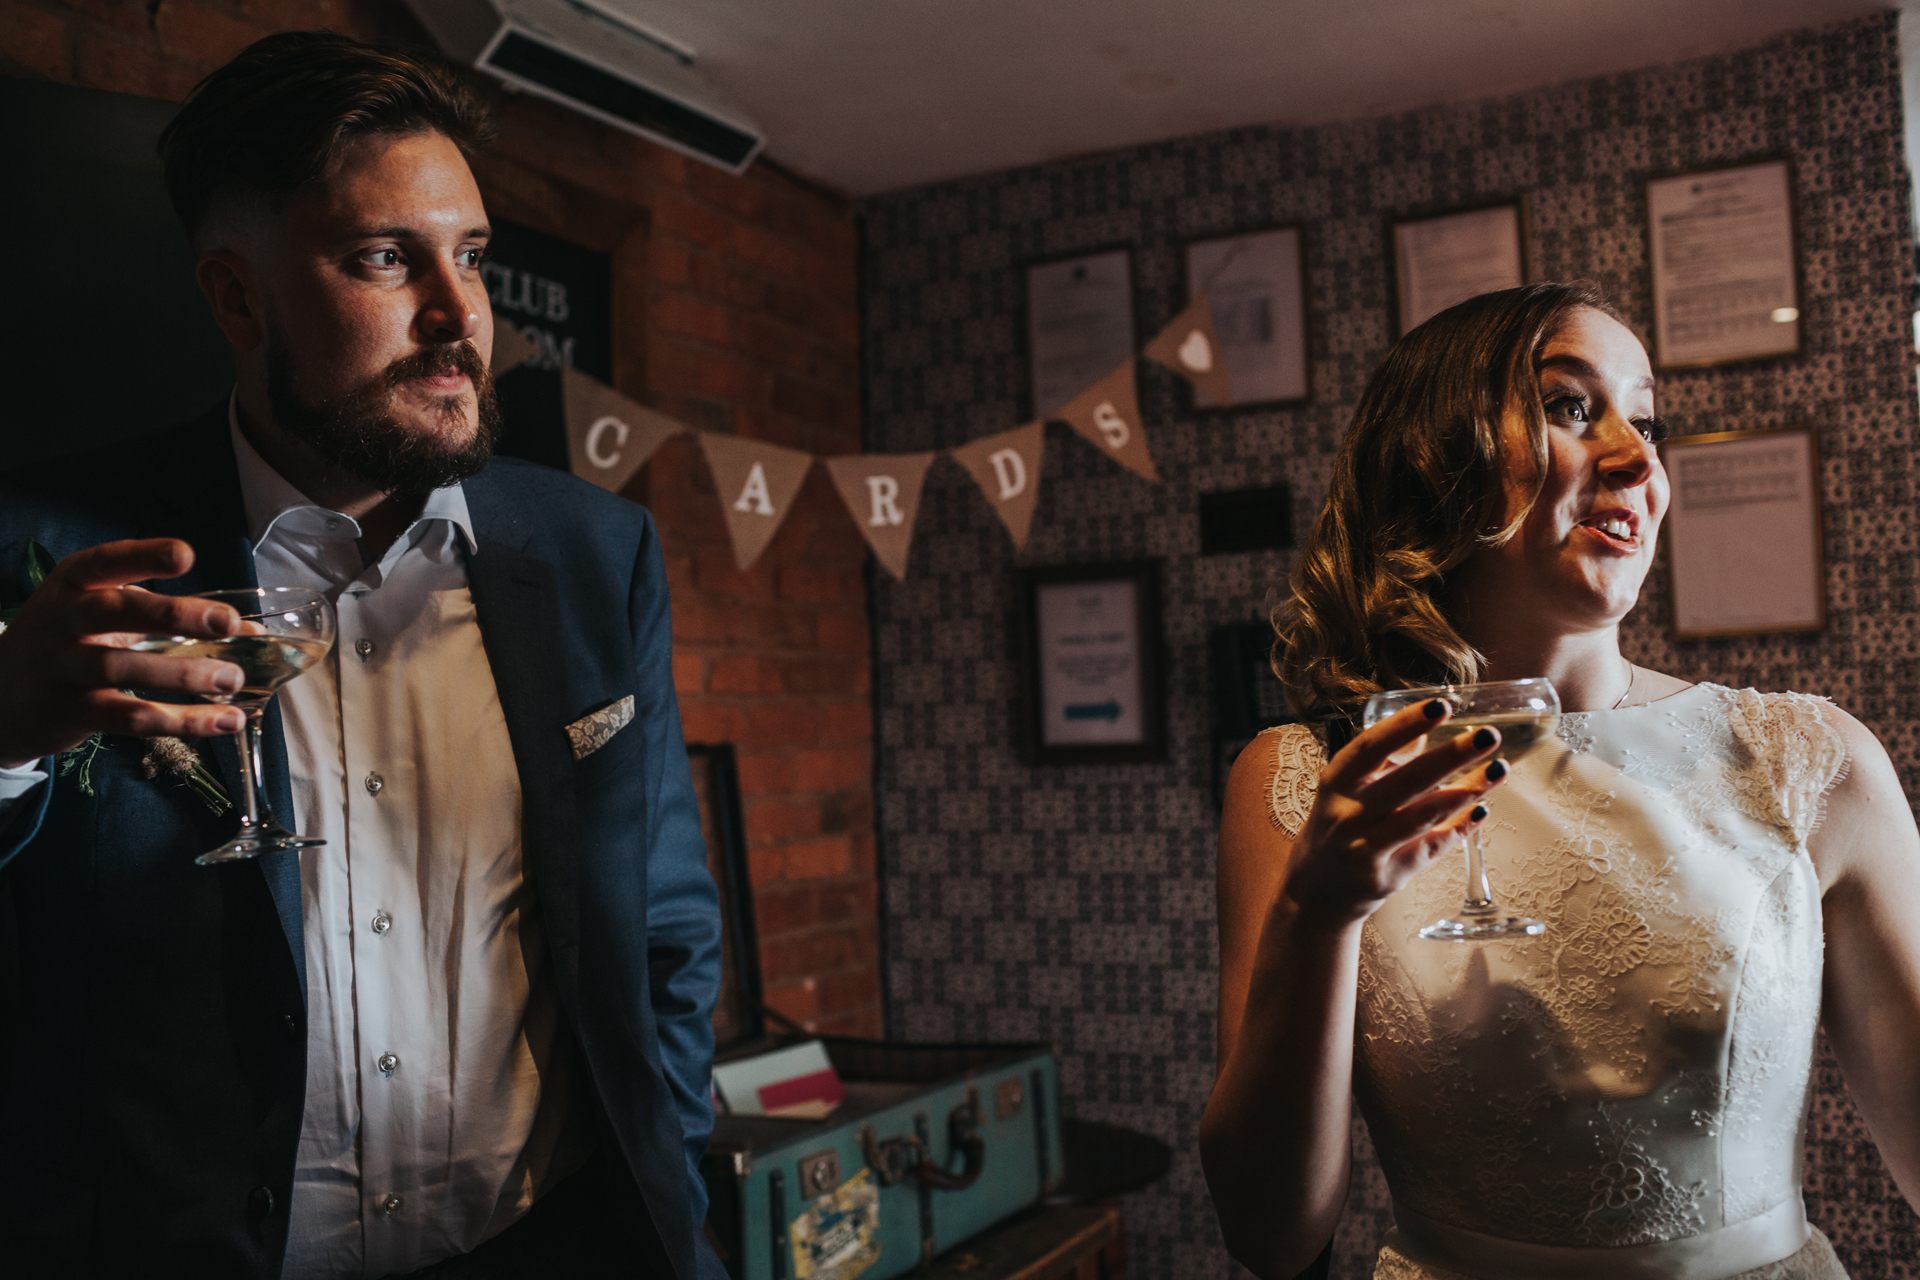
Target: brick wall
x=735, y=310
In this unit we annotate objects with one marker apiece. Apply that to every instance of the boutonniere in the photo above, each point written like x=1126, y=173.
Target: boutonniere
x=168, y=756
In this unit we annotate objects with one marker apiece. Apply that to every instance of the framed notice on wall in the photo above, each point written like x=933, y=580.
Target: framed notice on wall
x=1726, y=276
x=1079, y=325
x=1743, y=533
x=1450, y=257
x=1093, y=663
x=1257, y=292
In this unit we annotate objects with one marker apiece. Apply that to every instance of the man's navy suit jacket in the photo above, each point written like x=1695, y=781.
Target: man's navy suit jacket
x=155, y=1065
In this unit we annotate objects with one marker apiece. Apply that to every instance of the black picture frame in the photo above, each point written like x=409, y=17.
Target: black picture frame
x=1223, y=322
x=1396, y=226
x=1140, y=730
x=1664, y=359
x=738, y=1015
x=1032, y=408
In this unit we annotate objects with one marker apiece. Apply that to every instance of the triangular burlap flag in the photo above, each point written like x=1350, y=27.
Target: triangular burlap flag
x=1007, y=469
x=1108, y=413
x=1191, y=348
x=757, y=483
x=609, y=437
x=511, y=348
x=882, y=490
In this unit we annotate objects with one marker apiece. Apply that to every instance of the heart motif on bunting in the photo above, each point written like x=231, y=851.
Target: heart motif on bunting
x=1190, y=346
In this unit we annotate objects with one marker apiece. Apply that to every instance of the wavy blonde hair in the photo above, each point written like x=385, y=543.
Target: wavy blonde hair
x=1418, y=488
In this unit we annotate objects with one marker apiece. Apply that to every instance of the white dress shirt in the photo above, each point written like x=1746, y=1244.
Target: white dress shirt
x=437, y=1069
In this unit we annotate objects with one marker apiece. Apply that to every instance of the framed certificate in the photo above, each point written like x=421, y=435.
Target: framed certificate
x=1446, y=258
x=1258, y=296
x=1726, y=266
x=1094, y=663
x=1744, y=532
x=1079, y=325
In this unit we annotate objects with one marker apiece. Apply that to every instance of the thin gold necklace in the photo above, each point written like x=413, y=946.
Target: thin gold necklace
x=1629, y=689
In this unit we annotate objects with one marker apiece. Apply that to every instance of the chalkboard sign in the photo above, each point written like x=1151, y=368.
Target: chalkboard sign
x=561, y=297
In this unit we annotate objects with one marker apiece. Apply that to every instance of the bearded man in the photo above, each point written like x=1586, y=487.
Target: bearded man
x=469, y=1036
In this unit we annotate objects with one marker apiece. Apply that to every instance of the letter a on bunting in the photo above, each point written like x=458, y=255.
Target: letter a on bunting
x=882, y=490
x=757, y=483
x=1191, y=348
x=1108, y=413
x=609, y=437
x=1007, y=469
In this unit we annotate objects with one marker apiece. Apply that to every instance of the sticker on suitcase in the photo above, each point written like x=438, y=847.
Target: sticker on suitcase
x=838, y=1236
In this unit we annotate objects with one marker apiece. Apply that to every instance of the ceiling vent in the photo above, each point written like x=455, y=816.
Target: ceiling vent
x=598, y=63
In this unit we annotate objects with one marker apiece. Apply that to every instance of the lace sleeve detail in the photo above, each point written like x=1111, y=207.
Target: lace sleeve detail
x=1798, y=757
x=1297, y=761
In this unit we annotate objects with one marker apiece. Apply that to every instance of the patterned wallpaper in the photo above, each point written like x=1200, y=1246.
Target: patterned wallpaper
x=1076, y=903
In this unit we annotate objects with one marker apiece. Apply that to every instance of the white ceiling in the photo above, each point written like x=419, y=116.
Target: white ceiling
x=875, y=95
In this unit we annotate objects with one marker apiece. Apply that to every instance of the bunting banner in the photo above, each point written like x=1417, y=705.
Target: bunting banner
x=511, y=348
x=1190, y=347
x=609, y=437
x=1108, y=414
x=882, y=491
x=757, y=483
x=1007, y=469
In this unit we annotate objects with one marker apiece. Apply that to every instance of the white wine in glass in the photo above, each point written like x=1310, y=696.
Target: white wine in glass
x=1526, y=713
x=283, y=632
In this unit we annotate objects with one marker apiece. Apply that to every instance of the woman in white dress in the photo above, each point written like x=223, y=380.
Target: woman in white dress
x=1719, y=871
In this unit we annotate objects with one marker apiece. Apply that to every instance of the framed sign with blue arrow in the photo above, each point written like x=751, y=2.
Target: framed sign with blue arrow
x=1094, y=669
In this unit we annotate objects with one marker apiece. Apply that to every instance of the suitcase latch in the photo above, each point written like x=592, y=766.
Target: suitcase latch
x=893, y=1159
x=819, y=1173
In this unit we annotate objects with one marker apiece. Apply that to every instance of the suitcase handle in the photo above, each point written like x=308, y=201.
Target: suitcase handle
x=894, y=1159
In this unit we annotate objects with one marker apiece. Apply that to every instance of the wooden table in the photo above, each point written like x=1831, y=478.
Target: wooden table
x=1047, y=1242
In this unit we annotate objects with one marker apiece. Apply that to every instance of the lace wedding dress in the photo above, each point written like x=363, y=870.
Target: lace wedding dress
x=1624, y=1096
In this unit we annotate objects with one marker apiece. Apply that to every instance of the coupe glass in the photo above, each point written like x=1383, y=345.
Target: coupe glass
x=283, y=632
x=1526, y=712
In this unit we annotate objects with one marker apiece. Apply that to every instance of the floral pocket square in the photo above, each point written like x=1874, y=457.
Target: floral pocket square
x=590, y=732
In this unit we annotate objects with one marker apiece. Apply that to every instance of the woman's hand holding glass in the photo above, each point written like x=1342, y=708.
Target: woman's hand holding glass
x=1382, y=813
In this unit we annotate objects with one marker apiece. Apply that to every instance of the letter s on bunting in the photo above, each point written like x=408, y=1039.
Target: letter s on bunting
x=1108, y=414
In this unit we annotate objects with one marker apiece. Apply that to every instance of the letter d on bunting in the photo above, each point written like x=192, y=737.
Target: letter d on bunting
x=609, y=437
x=882, y=491
x=757, y=483
x=1007, y=469
x=1108, y=413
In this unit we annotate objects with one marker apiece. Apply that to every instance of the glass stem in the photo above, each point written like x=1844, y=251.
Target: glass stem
x=1479, y=894
x=255, y=811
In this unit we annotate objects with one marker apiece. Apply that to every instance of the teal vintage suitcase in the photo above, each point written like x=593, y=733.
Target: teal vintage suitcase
x=933, y=1144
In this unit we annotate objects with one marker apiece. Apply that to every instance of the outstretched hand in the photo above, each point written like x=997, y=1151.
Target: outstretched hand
x=1379, y=817
x=65, y=661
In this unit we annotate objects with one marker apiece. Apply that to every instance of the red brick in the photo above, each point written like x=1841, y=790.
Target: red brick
x=799, y=1002
x=844, y=992
x=806, y=401
x=709, y=722
x=107, y=60
x=295, y=15
x=838, y=903
x=727, y=377
x=122, y=15
x=677, y=311
x=780, y=909
x=846, y=633
x=849, y=721
x=822, y=675
x=36, y=40
x=771, y=253
x=737, y=195
x=807, y=582
x=715, y=573
x=813, y=859
x=827, y=768
x=784, y=723
x=765, y=864
x=765, y=772
x=689, y=673
x=202, y=32
x=745, y=673
x=676, y=214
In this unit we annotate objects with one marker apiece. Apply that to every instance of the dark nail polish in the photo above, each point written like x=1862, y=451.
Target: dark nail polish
x=1484, y=739
x=1496, y=771
x=1479, y=814
x=1435, y=709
